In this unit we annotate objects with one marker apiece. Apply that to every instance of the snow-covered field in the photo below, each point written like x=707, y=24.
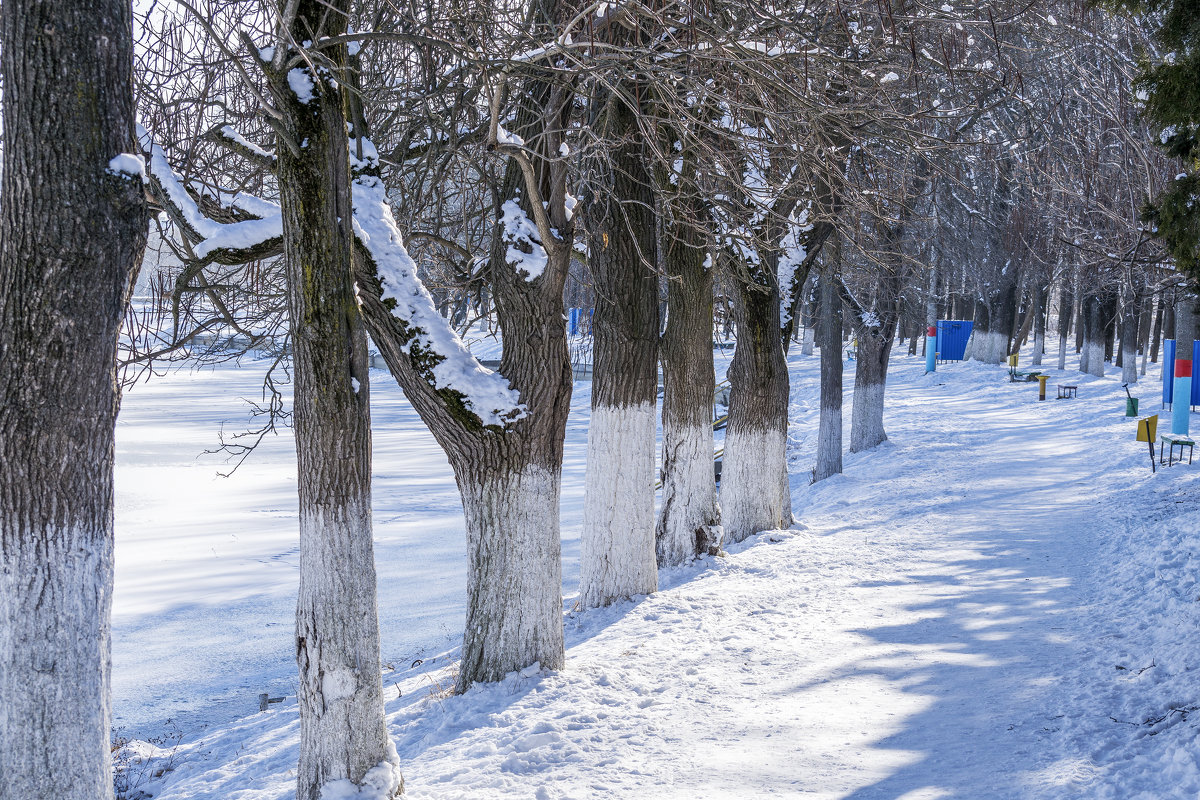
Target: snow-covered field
x=1000, y=602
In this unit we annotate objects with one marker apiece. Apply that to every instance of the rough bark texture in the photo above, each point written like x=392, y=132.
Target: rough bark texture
x=71, y=238
x=1129, y=335
x=1065, y=305
x=1092, y=356
x=343, y=736
x=617, y=548
x=753, y=496
x=829, y=339
x=689, y=521
x=1039, y=323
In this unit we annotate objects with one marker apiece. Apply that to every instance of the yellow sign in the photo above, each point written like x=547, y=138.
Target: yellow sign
x=1148, y=429
x=1012, y=360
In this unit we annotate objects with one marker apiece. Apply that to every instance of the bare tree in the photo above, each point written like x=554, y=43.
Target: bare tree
x=72, y=231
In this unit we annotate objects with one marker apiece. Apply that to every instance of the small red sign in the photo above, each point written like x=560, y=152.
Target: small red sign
x=933, y=330
x=1183, y=369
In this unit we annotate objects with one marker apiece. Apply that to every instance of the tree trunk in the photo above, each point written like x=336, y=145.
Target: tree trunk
x=344, y=742
x=1156, y=336
x=1039, y=322
x=870, y=378
x=753, y=496
x=1066, y=304
x=808, y=317
x=829, y=332
x=617, y=558
x=689, y=521
x=1129, y=335
x=72, y=230
x=1092, y=358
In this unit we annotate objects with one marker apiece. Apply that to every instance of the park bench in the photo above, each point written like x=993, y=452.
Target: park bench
x=1066, y=392
x=1172, y=441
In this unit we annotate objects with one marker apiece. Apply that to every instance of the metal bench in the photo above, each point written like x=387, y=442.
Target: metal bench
x=1172, y=441
x=1067, y=392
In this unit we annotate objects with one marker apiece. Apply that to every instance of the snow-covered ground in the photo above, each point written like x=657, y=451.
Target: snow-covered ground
x=1000, y=602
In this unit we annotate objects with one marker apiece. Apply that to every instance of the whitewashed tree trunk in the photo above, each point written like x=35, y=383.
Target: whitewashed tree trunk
x=689, y=522
x=1039, y=322
x=72, y=230
x=1066, y=305
x=344, y=743
x=1092, y=358
x=1129, y=343
x=514, y=608
x=754, y=494
x=617, y=548
x=866, y=416
x=829, y=430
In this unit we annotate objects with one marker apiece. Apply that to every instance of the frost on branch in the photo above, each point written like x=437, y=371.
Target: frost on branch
x=485, y=393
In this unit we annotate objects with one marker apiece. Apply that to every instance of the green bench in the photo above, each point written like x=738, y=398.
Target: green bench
x=1172, y=441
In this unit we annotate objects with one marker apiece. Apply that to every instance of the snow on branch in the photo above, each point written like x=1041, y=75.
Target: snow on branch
x=525, y=252
x=209, y=236
x=485, y=393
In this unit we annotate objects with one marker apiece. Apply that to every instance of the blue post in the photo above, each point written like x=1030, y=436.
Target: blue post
x=573, y=321
x=931, y=349
x=1181, y=408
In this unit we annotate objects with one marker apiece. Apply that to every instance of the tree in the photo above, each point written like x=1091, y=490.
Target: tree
x=1172, y=90
x=343, y=734
x=66, y=272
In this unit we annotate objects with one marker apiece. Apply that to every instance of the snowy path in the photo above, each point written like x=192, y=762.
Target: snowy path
x=904, y=643
x=993, y=605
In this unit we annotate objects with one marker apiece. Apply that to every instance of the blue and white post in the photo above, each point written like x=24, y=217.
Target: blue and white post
x=931, y=349
x=1181, y=399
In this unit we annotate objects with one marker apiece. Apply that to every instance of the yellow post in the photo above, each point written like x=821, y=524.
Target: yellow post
x=1041, y=379
x=1147, y=431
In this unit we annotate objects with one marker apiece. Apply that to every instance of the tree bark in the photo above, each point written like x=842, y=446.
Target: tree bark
x=343, y=735
x=1092, y=355
x=1066, y=305
x=617, y=558
x=829, y=333
x=72, y=230
x=689, y=522
x=1039, y=322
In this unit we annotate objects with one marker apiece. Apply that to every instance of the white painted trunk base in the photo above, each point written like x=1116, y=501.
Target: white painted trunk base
x=514, y=575
x=343, y=735
x=1039, y=346
x=866, y=418
x=617, y=557
x=807, y=340
x=990, y=347
x=1129, y=370
x=689, y=521
x=829, y=444
x=55, y=665
x=752, y=496
x=1062, y=352
x=1095, y=357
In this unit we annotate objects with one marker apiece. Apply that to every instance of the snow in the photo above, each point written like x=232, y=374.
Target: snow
x=996, y=603
x=301, y=83
x=231, y=133
x=503, y=136
x=128, y=164
x=520, y=232
x=214, y=235
x=891, y=77
x=486, y=393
